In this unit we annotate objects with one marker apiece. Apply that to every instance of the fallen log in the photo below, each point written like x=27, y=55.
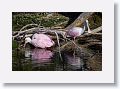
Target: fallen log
x=81, y=18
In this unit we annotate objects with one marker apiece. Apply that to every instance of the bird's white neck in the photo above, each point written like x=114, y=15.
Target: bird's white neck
x=86, y=26
x=28, y=40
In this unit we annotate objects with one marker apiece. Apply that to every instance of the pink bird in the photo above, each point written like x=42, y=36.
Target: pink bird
x=40, y=41
x=77, y=31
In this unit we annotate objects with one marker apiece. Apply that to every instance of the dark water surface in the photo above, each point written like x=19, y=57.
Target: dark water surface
x=36, y=59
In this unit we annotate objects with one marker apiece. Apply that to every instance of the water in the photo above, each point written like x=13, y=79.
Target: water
x=36, y=59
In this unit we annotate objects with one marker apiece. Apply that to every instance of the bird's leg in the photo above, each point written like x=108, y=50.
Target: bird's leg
x=24, y=45
x=74, y=39
x=87, y=23
x=74, y=54
x=64, y=36
x=74, y=48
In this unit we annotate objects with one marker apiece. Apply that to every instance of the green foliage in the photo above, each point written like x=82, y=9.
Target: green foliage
x=53, y=21
x=21, y=19
x=95, y=20
x=14, y=44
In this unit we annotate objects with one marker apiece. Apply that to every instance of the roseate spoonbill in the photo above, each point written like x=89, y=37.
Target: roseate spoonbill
x=40, y=41
x=77, y=31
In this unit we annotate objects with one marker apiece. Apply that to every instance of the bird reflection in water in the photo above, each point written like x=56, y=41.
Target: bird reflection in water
x=39, y=55
x=44, y=57
x=74, y=63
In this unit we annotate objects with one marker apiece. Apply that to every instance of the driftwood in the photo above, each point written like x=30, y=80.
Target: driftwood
x=94, y=31
x=30, y=32
x=55, y=33
x=97, y=30
x=37, y=28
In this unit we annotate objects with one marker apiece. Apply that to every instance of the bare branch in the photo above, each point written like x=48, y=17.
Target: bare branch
x=94, y=31
x=97, y=29
x=17, y=34
x=28, y=26
x=49, y=31
x=59, y=46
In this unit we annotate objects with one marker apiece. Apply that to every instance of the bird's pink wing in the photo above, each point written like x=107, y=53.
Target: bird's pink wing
x=42, y=41
x=46, y=40
x=72, y=33
x=37, y=43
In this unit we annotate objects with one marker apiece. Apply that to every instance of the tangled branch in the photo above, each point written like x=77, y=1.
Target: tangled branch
x=35, y=28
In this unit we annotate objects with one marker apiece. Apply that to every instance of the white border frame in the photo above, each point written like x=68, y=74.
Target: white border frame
x=104, y=76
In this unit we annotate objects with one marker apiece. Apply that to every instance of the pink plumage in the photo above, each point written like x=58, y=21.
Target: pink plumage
x=75, y=31
x=42, y=41
x=78, y=31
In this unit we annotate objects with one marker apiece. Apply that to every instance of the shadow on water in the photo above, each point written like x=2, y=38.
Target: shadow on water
x=48, y=60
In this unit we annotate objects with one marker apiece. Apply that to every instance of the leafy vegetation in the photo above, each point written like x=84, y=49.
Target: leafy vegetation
x=21, y=19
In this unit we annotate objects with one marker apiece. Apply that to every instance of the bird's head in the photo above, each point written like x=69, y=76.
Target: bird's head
x=27, y=40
